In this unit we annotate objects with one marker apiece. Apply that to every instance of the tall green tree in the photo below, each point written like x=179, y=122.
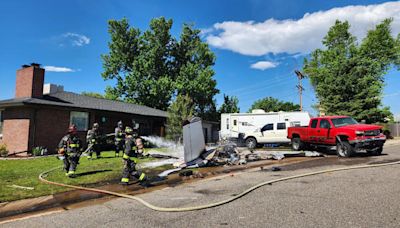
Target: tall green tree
x=180, y=110
x=270, y=104
x=140, y=62
x=348, y=77
x=230, y=105
x=152, y=67
x=193, y=62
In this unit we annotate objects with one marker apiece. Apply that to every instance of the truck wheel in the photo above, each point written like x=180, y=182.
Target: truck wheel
x=297, y=144
x=344, y=149
x=375, y=152
x=251, y=143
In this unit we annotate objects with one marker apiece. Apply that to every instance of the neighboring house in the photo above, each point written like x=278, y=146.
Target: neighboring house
x=40, y=115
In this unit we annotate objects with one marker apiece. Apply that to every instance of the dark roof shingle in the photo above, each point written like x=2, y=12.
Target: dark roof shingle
x=68, y=99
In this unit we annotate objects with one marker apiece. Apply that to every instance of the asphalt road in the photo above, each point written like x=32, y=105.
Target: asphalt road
x=356, y=198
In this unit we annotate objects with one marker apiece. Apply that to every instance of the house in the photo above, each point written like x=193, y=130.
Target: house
x=39, y=115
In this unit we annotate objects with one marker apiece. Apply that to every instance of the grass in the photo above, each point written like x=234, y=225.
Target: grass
x=25, y=172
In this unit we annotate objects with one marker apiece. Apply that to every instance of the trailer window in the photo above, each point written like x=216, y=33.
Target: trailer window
x=314, y=123
x=268, y=127
x=281, y=126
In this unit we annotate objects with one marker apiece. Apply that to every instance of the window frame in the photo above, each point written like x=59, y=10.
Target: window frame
x=324, y=120
x=262, y=129
x=312, y=123
x=71, y=116
x=284, y=126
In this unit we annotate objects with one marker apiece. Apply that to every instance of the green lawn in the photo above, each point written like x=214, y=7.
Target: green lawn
x=25, y=172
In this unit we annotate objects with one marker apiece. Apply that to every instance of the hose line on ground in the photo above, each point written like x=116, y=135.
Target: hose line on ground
x=201, y=207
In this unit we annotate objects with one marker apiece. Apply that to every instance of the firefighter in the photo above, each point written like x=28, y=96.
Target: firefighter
x=130, y=158
x=119, y=139
x=93, y=138
x=70, y=148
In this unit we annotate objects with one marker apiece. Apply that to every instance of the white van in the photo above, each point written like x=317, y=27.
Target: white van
x=259, y=128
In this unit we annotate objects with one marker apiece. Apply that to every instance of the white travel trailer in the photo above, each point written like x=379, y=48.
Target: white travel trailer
x=259, y=127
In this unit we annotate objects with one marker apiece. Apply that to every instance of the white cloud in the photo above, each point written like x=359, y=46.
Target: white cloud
x=76, y=39
x=263, y=65
x=298, y=36
x=58, y=69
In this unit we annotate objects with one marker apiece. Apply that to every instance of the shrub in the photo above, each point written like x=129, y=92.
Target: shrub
x=39, y=151
x=3, y=150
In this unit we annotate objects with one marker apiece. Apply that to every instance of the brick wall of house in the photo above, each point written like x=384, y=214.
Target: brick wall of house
x=50, y=126
x=29, y=127
x=17, y=128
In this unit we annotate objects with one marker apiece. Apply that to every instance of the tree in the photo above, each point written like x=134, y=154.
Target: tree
x=180, y=110
x=348, y=78
x=107, y=95
x=230, y=105
x=140, y=63
x=270, y=104
x=152, y=67
x=93, y=94
x=193, y=67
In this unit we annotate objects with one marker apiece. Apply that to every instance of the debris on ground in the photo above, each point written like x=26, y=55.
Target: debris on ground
x=20, y=187
x=276, y=168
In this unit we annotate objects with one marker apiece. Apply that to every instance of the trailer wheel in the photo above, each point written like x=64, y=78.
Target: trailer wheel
x=251, y=143
x=297, y=144
x=344, y=149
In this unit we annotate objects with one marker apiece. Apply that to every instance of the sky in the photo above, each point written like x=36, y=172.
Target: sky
x=258, y=44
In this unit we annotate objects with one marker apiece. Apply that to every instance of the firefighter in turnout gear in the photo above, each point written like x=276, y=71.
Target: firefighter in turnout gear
x=70, y=149
x=119, y=139
x=93, y=138
x=130, y=158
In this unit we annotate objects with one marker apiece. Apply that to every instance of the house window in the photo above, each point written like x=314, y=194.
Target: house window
x=227, y=124
x=234, y=122
x=281, y=126
x=80, y=119
x=1, y=122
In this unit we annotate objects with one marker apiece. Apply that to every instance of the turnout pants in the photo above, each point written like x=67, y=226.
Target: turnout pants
x=95, y=148
x=130, y=170
x=119, y=146
x=71, y=162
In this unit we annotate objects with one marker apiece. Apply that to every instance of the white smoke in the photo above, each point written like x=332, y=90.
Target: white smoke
x=169, y=148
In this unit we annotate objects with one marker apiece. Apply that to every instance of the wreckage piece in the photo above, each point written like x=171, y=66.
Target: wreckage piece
x=193, y=139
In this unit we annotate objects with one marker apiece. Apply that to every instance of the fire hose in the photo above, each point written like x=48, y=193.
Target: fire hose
x=211, y=205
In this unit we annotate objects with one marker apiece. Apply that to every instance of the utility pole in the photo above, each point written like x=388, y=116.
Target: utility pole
x=300, y=76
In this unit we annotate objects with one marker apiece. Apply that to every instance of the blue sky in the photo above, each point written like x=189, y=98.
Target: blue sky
x=258, y=43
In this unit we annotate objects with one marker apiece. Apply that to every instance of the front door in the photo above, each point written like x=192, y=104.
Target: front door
x=267, y=133
x=324, y=132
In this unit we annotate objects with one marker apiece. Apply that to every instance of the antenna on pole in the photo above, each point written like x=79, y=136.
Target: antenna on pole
x=300, y=76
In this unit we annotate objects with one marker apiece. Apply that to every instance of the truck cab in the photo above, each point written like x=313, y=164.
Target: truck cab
x=269, y=133
x=342, y=131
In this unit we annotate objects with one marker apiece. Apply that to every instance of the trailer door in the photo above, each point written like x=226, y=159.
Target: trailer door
x=235, y=126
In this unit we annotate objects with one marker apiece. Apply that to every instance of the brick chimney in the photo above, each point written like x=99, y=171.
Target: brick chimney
x=29, y=83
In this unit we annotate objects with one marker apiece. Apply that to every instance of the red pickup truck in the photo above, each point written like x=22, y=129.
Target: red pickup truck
x=342, y=131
